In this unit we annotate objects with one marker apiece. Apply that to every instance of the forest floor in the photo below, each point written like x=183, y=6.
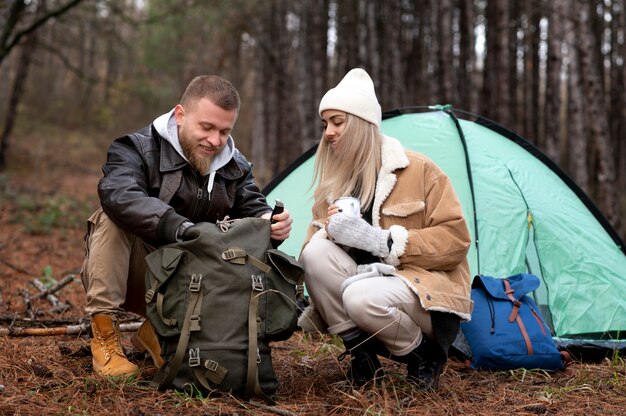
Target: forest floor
x=45, y=197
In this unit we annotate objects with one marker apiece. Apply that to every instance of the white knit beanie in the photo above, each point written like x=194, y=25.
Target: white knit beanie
x=355, y=95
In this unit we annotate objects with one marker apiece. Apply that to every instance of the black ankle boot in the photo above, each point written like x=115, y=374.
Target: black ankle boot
x=424, y=365
x=364, y=364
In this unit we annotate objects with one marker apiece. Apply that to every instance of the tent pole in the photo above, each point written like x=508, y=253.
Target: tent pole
x=448, y=110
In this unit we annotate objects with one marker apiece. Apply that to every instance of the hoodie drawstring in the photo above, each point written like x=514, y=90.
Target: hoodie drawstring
x=209, y=186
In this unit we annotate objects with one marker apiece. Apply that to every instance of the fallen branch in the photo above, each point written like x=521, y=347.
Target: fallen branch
x=56, y=287
x=65, y=330
x=58, y=306
x=29, y=309
x=17, y=269
x=12, y=320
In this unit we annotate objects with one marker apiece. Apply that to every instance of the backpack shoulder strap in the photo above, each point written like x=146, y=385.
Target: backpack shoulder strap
x=515, y=315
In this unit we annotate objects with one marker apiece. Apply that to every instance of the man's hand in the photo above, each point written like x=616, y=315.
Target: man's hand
x=282, y=227
x=183, y=232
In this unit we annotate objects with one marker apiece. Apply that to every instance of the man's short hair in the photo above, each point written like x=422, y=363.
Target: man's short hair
x=214, y=88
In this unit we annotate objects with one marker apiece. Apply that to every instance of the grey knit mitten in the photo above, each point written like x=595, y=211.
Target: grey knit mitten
x=358, y=233
x=380, y=268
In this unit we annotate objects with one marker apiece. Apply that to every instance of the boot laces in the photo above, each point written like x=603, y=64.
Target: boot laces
x=110, y=343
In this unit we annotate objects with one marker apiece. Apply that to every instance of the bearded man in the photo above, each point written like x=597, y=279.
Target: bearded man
x=158, y=182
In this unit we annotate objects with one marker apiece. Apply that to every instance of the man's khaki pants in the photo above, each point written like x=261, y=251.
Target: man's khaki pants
x=380, y=305
x=114, y=268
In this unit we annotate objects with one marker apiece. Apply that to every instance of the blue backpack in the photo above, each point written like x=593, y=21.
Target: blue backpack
x=507, y=330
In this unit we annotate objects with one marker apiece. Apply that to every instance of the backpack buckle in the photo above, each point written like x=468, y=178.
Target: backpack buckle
x=257, y=282
x=194, y=323
x=211, y=365
x=235, y=255
x=149, y=295
x=196, y=279
x=194, y=357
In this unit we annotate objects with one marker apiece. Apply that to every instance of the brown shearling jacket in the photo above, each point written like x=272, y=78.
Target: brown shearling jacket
x=415, y=200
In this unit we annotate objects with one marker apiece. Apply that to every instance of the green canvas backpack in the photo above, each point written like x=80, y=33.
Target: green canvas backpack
x=216, y=301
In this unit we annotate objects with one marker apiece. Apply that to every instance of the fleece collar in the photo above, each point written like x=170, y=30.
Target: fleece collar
x=393, y=157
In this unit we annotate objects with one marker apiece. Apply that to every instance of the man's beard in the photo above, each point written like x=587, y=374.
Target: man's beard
x=201, y=164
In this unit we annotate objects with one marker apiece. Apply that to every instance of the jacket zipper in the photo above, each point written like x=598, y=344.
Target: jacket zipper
x=199, y=195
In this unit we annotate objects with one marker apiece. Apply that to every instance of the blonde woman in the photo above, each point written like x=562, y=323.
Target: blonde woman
x=394, y=279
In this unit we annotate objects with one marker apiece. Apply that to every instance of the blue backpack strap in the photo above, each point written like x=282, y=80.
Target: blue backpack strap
x=514, y=316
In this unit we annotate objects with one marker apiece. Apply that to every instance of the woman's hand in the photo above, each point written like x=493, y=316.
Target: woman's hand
x=332, y=210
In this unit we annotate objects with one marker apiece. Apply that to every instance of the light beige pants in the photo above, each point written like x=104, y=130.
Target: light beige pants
x=380, y=305
x=114, y=268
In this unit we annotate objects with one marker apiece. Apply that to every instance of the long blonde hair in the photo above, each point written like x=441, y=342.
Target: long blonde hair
x=349, y=170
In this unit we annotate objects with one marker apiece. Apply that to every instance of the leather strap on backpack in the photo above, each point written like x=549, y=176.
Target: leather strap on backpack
x=514, y=316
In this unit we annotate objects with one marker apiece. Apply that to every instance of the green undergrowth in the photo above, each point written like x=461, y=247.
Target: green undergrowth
x=40, y=214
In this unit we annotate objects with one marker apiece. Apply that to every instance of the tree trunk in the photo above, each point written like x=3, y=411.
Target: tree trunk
x=309, y=72
x=390, y=49
x=445, y=56
x=14, y=15
x=577, y=137
x=419, y=56
x=618, y=98
x=413, y=58
x=261, y=76
x=621, y=148
x=395, y=58
x=620, y=142
x=279, y=91
x=28, y=48
x=531, y=75
x=597, y=117
x=553, y=81
x=432, y=49
x=346, y=46
x=467, y=58
x=496, y=83
x=372, y=60
x=516, y=109
x=320, y=44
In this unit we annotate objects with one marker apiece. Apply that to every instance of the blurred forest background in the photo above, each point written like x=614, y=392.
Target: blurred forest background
x=551, y=70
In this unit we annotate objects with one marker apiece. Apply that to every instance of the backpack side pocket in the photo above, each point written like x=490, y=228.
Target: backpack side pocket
x=278, y=308
x=165, y=297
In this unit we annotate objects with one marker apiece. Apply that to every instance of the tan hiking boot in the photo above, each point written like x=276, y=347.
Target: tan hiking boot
x=108, y=356
x=145, y=339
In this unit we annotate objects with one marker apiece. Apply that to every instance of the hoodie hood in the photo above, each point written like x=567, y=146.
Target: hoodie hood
x=166, y=126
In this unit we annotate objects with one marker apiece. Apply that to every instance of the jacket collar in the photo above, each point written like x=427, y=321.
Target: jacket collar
x=393, y=157
x=170, y=159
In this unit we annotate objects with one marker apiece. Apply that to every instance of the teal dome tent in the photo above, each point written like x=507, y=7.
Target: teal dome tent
x=524, y=213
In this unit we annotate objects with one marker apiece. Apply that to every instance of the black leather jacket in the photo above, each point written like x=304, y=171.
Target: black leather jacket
x=133, y=174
